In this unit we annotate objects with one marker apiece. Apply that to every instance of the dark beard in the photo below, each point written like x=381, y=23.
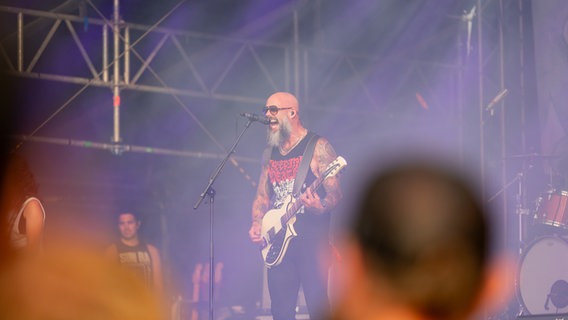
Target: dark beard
x=276, y=139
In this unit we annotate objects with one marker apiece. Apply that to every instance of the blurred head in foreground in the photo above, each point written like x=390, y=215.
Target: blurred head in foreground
x=419, y=247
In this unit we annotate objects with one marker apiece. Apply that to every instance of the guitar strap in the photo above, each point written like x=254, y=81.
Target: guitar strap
x=304, y=165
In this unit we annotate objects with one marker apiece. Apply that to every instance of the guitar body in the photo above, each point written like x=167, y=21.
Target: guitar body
x=277, y=228
x=276, y=235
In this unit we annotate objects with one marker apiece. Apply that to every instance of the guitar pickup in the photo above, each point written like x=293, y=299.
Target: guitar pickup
x=270, y=234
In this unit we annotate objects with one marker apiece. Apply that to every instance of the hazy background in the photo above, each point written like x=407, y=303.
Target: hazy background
x=372, y=76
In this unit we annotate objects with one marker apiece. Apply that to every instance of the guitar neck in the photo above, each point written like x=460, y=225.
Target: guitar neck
x=298, y=204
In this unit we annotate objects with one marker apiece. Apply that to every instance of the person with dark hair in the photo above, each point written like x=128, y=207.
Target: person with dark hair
x=135, y=254
x=295, y=159
x=21, y=206
x=419, y=247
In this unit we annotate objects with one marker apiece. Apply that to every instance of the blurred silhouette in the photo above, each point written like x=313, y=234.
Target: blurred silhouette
x=419, y=247
x=69, y=282
x=21, y=206
x=9, y=100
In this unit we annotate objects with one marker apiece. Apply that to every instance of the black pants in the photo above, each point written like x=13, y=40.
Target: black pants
x=302, y=266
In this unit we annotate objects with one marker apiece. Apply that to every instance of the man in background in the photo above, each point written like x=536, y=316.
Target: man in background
x=132, y=252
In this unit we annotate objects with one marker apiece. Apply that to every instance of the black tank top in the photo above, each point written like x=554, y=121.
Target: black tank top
x=282, y=170
x=136, y=259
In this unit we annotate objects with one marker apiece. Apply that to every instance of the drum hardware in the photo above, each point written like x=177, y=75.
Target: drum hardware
x=542, y=285
x=543, y=276
x=521, y=212
x=558, y=295
x=542, y=279
x=519, y=208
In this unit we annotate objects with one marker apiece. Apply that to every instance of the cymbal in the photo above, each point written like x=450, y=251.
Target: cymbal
x=532, y=155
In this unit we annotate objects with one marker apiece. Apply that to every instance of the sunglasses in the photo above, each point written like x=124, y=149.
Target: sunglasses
x=273, y=110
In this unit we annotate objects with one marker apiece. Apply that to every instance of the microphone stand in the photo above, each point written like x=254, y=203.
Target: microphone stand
x=209, y=191
x=520, y=210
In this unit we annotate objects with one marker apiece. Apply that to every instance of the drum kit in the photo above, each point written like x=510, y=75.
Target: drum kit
x=542, y=284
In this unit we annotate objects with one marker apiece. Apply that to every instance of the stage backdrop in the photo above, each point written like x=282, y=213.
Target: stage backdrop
x=550, y=23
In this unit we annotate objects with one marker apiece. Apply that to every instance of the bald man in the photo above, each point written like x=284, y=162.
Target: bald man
x=302, y=263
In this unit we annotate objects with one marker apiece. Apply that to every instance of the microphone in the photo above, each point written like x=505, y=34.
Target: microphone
x=496, y=100
x=255, y=117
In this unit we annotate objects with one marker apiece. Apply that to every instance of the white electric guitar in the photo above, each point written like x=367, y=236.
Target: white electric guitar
x=278, y=224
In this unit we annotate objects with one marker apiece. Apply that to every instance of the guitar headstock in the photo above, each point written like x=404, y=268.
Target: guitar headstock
x=335, y=167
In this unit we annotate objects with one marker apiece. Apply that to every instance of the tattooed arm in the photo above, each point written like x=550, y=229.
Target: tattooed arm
x=260, y=204
x=324, y=154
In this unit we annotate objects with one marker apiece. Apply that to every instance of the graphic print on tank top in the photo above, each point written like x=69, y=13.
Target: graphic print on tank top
x=137, y=259
x=282, y=174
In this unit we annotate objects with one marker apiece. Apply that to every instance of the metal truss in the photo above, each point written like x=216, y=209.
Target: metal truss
x=128, y=56
x=502, y=68
x=181, y=49
x=130, y=69
x=98, y=64
x=363, y=71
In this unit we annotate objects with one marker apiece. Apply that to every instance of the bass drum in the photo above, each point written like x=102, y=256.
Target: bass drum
x=543, y=276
